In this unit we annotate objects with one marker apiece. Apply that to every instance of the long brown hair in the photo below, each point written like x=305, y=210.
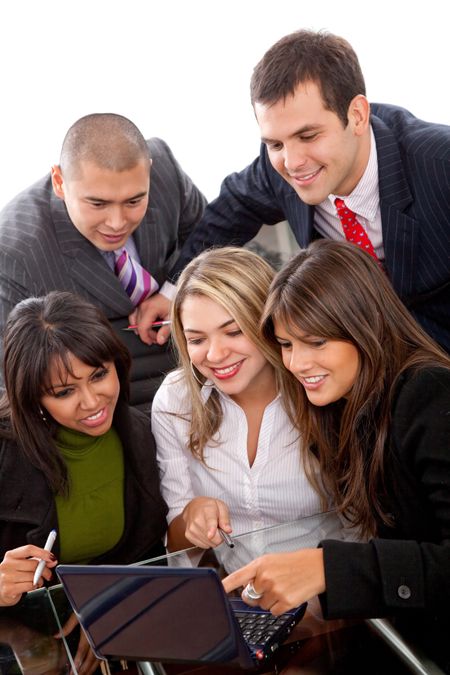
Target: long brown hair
x=337, y=291
x=38, y=332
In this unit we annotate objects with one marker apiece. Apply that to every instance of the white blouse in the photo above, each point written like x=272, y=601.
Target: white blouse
x=273, y=490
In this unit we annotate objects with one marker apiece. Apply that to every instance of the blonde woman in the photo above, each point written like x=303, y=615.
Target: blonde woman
x=229, y=454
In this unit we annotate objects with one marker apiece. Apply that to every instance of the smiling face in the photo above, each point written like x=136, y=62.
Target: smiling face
x=327, y=369
x=105, y=206
x=309, y=146
x=221, y=352
x=84, y=400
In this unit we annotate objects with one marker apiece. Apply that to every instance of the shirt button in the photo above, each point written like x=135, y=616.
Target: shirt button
x=404, y=592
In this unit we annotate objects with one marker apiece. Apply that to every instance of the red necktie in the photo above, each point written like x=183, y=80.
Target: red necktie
x=353, y=230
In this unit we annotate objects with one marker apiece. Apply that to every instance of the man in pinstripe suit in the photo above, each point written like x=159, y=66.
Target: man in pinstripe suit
x=321, y=140
x=111, y=190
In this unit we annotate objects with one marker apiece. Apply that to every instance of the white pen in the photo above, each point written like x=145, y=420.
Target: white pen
x=41, y=564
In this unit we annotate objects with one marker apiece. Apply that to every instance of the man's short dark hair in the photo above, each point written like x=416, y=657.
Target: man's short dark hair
x=108, y=140
x=323, y=58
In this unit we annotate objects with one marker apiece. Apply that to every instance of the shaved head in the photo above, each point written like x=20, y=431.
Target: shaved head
x=107, y=140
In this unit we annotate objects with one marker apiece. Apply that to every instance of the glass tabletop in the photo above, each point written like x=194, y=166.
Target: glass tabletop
x=316, y=646
x=28, y=642
x=304, y=533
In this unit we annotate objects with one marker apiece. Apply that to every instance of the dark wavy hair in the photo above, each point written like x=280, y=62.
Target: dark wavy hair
x=337, y=291
x=38, y=333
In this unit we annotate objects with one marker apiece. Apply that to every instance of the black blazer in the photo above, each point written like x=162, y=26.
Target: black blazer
x=28, y=510
x=414, y=184
x=405, y=571
x=42, y=251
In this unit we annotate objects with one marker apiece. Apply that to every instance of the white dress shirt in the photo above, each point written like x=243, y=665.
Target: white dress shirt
x=129, y=246
x=273, y=490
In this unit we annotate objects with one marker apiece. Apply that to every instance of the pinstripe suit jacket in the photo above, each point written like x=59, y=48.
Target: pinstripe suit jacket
x=41, y=250
x=414, y=184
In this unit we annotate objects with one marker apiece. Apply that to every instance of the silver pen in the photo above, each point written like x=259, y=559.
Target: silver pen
x=226, y=537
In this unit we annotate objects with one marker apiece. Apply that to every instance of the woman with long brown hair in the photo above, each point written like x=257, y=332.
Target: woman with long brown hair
x=373, y=406
x=74, y=456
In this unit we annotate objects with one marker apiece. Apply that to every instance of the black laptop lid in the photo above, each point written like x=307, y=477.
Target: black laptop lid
x=154, y=613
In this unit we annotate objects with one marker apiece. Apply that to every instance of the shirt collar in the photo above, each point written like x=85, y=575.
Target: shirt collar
x=110, y=256
x=365, y=198
x=208, y=386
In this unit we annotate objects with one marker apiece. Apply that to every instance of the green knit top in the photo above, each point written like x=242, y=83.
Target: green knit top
x=91, y=519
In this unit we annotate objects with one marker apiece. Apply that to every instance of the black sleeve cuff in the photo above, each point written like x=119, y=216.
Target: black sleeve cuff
x=372, y=579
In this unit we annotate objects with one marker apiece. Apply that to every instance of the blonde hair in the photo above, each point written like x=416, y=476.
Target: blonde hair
x=238, y=280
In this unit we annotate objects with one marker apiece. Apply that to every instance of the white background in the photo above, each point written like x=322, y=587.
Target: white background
x=181, y=69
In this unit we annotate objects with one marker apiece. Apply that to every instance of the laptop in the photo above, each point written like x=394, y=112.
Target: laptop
x=171, y=615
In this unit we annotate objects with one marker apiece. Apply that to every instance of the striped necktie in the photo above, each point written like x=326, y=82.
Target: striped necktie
x=137, y=282
x=353, y=229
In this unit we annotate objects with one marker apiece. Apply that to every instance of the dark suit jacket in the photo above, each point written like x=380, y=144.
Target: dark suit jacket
x=41, y=251
x=405, y=571
x=28, y=510
x=414, y=183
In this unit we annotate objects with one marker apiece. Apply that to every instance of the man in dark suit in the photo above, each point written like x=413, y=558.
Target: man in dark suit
x=321, y=140
x=111, y=191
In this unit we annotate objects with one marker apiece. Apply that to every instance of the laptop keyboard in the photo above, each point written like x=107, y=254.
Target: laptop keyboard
x=258, y=628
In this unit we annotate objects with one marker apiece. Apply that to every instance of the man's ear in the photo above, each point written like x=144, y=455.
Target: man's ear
x=359, y=114
x=57, y=181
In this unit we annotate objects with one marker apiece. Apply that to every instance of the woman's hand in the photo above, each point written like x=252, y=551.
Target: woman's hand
x=17, y=571
x=85, y=660
x=286, y=580
x=202, y=516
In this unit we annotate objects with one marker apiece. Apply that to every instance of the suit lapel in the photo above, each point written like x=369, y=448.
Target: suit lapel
x=301, y=218
x=400, y=231
x=150, y=244
x=85, y=264
x=144, y=240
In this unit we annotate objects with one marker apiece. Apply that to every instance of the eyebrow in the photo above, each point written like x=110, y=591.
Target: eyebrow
x=52, y=387
x=70, y=384
x=223, y=325
x=306, y=336
x=108, y=201
x=302, y=130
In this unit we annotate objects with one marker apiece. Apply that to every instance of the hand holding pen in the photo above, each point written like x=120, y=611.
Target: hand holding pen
x=17, y=571
x=207, y=522
x=156, y=309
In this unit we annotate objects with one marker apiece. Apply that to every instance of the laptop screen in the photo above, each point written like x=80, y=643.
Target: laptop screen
x=152, y=613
